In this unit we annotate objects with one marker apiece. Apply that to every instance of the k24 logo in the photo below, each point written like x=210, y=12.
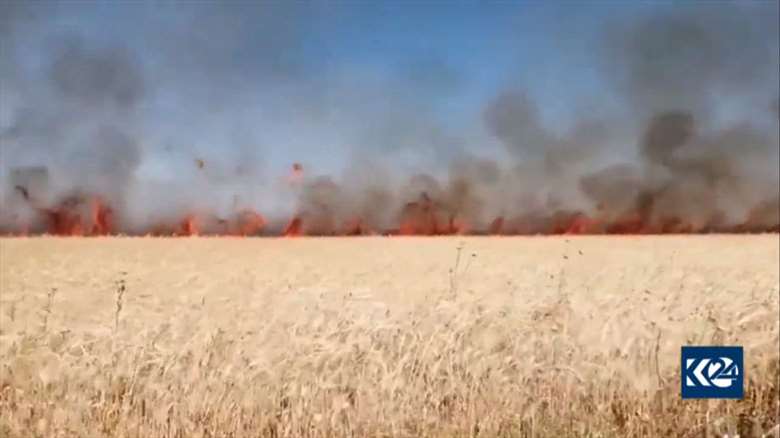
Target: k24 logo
x=712, y=372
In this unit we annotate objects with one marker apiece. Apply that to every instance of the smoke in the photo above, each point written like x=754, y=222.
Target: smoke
x=193, y=123
x=82, y=123
x=514, y=119
x=698, y=80
x=96, y=78
x=695, y=57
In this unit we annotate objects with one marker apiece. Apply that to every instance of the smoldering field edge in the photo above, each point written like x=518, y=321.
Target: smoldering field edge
x=375, y=336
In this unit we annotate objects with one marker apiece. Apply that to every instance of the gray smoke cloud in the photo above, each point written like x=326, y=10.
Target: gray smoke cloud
x=82, y=122
x=193, y=116
x=695, y=57
x=678, y=71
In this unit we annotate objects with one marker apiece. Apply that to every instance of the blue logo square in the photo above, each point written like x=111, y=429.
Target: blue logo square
x=712, y=372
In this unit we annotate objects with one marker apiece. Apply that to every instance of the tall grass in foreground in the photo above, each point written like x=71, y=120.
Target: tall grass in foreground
x=460, y=366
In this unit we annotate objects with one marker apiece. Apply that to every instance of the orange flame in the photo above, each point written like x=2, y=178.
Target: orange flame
x=249, y=223
x=189, y=226
x=294, y=227
x=80, y=214
x=102, y=218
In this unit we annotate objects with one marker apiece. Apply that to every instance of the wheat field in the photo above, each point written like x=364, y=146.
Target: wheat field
x=358, y=337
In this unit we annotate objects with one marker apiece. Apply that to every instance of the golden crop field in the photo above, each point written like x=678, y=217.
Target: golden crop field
x=408, y=337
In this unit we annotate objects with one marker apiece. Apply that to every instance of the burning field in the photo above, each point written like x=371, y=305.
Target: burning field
x=101, y=138
x=621, y=201
x=375, y=336
x=328, y=219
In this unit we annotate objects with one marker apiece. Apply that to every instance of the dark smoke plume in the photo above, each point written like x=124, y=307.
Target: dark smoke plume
x=695, y=172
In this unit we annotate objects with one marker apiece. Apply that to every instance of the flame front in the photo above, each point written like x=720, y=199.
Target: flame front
x=323, y=211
